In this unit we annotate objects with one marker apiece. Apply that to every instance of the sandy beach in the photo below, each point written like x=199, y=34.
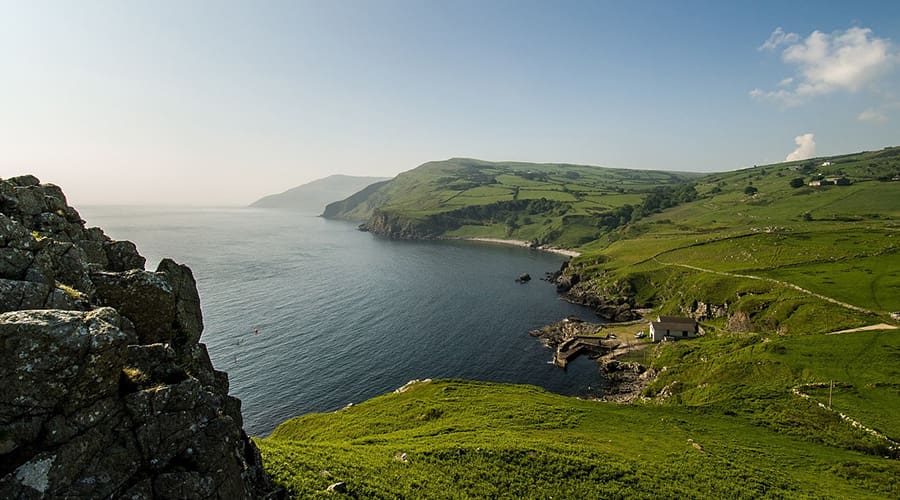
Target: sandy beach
x=525, y=244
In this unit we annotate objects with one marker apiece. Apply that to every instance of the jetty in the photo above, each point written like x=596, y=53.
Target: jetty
x=573, y=347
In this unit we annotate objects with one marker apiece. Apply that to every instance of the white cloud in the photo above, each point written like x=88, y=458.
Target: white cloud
x=806, y=148
x=872, y=115
x=786, y=82
x=844, y=60
x=778, y=38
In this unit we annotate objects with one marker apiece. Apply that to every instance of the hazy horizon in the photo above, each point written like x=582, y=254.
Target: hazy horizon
x=221, y=103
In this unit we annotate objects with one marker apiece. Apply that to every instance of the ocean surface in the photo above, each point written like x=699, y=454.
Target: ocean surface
x=344, y=316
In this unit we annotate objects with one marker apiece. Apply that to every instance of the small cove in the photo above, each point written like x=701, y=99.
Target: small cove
x=344, y=316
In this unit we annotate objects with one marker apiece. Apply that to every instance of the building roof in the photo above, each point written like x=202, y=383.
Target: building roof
x=670, y=325
x=674, y=319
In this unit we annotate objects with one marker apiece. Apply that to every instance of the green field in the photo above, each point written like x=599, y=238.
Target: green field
x=783, y=266
x=455, y=439
x=731, y=395
x=433, y=199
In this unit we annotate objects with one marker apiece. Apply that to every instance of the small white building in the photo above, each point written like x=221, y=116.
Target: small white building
x=827, y=164
x=672, y=328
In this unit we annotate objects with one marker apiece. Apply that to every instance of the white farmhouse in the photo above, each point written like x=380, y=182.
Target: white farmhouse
x=672, y=328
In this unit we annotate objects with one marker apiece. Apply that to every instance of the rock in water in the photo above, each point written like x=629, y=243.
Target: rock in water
x=107, y=391
x=524, y=278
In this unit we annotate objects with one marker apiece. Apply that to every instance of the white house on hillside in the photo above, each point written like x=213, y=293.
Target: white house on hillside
x=672, y=327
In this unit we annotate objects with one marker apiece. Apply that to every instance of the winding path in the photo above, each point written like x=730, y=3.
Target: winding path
x=879, y=326
x=771, y=280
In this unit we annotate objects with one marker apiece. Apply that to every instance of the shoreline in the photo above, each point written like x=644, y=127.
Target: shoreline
x=518, y=243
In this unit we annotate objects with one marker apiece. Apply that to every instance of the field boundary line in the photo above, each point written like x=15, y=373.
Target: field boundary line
x=772, y=280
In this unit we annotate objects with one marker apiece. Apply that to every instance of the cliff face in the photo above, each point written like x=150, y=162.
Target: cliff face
x=394, y=227
x=105, y=390
x=610, y=300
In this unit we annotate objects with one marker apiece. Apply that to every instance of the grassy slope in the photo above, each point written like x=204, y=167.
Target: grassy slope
x=846, y=248
x=477, y=440
x=730, y=390
x=442, y=187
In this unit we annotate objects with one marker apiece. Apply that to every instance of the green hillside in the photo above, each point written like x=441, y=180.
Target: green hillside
x=772, y=401
x=559, y=204
x=455, y=439
x=783, y=259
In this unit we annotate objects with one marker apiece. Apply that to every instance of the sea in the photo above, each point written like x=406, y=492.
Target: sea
x=310, y=315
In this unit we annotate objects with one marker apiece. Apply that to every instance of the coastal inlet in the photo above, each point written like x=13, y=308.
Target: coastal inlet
x=620, y=349
x=344, y=317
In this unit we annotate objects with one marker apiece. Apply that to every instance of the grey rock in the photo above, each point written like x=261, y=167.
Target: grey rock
x=188, y=316
x=143, y=490
x=12, y=232
x=30, y=200
x=24, y=180
x=107, y=392
x=14, y=262
x=183, y=485
x=144, y=297
x=151, y=365
x=94, y=254
x=55, y=361
x=123, y=256
x=95, y=234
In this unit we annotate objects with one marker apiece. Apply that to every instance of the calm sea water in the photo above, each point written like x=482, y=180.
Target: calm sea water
x=344, y=316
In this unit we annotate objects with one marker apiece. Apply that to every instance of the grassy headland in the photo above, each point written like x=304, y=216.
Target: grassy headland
x=554, y=204
x=765, y=404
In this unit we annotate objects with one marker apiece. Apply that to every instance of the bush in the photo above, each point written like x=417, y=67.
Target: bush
x=750, y=190
x=797, y=182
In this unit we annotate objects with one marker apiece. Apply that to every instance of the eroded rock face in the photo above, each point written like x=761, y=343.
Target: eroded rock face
x=105, y=390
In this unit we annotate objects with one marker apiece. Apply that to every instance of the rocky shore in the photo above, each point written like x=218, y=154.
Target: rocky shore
x=391, y=226
x=614, y=302
x=572, y=336
x=106, y=390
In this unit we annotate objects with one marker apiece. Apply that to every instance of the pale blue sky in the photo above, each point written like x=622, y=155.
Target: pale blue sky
x=189, y=102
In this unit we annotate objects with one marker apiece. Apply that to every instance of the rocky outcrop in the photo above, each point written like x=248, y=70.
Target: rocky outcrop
x=625, y=380
x=610, y=300
x=569, y=328
x=106, y=390
x=391, y=226
x=702, y=311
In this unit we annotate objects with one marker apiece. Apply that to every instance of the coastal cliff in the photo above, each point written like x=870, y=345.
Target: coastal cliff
x=106, y=390
x=613, y=301
x=392, y=226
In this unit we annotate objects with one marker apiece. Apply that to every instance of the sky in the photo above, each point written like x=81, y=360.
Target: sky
x=219, y=103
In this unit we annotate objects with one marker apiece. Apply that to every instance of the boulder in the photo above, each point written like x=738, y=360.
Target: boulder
x=144, y=297
x=123, y=256
x=55, y=362
x=188, y=316
x=14, y=262
x=107, y=391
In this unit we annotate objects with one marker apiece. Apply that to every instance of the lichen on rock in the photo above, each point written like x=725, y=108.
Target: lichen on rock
x=106, y=390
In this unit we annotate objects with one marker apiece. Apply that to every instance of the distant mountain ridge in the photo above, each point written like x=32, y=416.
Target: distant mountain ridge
x=313, y=196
